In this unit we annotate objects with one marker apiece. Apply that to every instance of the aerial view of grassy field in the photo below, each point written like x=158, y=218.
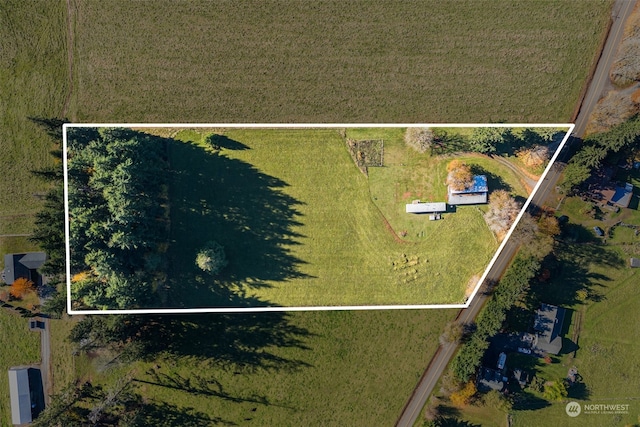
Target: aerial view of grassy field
x=285, y=369
x=302, y=226
x=33, y=83
x=332, y=61
x=274, y=62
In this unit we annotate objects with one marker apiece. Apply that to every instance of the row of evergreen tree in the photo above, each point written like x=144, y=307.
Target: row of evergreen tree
x=117, y=190
x=117, y=201
x=597, y=148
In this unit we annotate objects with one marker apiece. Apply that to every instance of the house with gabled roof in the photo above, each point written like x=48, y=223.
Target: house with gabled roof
x=491, y=379
x=548, y=326
x=23, y=265
x=20, y=394
x=474, y=194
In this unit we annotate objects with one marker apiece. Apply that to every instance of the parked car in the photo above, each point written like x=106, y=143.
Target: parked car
x=36, y=324
x=524, y=350
x=598, y=231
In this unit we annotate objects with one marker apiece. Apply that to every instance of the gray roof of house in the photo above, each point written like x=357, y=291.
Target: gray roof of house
x=18, y=265
x=474, y=194
x=467, y=199
x=622, y=196
x=20, y=395
x=634, y=262
x=490, y=379
x=548, y=325
x=33, y=260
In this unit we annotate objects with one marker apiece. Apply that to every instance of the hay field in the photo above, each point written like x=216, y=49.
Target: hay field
x=333, y=61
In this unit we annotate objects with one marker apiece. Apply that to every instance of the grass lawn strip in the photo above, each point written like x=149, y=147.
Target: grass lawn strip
x=33, y=77
x=365, y=387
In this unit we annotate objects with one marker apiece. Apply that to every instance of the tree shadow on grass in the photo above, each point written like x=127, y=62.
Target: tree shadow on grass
x=243, y=341
x=454, y=422
x=202, y=385
x=224, y=142
x=214, y=197
x=578, y=390
x=570, y=273
x=577, y=233
x=204, y=344
x=529, y=402
x=163, y=414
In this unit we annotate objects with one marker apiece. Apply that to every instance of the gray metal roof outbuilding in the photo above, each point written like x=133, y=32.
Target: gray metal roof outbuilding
x=20, y=396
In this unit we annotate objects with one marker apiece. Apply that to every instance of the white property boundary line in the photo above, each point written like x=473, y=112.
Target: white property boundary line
x=65, y=126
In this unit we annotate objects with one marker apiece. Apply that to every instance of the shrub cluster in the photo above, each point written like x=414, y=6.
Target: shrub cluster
x=420, y=139
x=211, y=258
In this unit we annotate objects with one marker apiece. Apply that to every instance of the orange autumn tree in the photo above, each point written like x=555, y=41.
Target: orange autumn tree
x=460, y=176
x=21, y=287
x=464, y=396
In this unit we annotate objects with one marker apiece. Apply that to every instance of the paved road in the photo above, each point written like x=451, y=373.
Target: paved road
x=45, y=360
x=600, y=80
x=620, y=12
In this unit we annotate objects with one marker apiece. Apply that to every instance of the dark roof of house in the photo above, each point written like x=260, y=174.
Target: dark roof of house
x=20, y=395
x=548, y=324
x=490, y=379
x=20, y=265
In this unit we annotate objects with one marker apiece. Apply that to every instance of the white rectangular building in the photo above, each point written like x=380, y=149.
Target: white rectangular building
x=20, y=396
x=426, y=207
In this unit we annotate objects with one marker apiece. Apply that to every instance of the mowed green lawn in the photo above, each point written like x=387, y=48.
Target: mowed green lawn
x=350, y=368
x=333, y=61
x=301, y=228
x=408, y=175
x=19, y=347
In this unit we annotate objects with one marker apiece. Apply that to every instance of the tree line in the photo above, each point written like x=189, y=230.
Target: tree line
x=485, y=140
x=596, y=149
x=117, y=199
x=48, y=231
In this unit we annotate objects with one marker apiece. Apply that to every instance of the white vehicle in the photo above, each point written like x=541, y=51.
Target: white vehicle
x=524, y=350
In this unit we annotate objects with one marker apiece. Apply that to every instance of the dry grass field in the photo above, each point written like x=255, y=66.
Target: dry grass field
x=333, y=61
